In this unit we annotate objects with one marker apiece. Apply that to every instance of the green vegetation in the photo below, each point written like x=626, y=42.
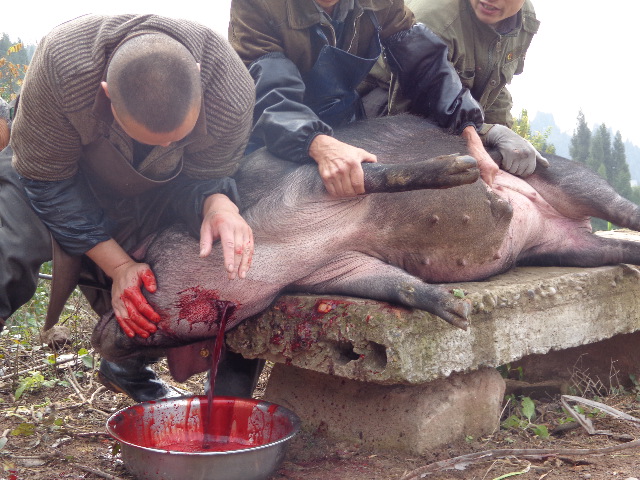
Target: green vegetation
x=539, y=140
x=606, y=157
x=521, y=419
x=14, y=59
x=599, y=150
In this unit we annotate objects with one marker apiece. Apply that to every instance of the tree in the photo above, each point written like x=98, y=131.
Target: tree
x=13, y=66
x=600, y=150
x=522, y=127
x=618, y=172
x=580, y=141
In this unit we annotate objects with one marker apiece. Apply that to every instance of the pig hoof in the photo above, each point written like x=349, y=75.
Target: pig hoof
x=457, y=314
x=465, y=162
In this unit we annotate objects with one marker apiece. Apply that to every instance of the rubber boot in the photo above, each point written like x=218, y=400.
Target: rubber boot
x=237, y=376
x=135, y=378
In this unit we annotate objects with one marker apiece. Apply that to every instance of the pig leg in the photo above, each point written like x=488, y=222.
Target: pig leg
x=586, y=250
x=358, y=275
x=576, y=192
x=445, y=171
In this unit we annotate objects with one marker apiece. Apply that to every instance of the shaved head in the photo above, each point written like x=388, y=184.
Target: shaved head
x=154, y=80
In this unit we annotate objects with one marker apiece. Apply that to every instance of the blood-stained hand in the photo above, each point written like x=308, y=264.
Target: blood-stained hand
x=222, y=220
x=133, y=312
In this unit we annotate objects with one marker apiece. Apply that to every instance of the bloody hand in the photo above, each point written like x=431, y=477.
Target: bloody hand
x=141, y=317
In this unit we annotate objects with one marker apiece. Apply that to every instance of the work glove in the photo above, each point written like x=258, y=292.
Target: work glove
x=519, y=157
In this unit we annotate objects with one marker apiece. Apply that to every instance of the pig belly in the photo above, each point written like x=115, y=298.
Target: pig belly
x=536, y=226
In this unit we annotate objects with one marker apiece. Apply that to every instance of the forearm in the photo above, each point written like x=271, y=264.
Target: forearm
x=189, y=196
x=218, y=202
x=419, y=58
x=69, y=211
x=282, y=121
x=109, y=256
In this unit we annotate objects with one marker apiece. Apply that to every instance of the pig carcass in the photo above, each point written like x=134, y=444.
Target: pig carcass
x=426, y=219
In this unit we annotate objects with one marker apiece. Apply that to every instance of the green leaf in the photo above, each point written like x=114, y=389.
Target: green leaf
x=541, y=431
x=20, y=390
x=24, y=429
x=528, y=408
x=512, y=422
x=458, y=293
x=87, y=361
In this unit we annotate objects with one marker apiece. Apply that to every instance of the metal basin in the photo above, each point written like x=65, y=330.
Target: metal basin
x=160, y=440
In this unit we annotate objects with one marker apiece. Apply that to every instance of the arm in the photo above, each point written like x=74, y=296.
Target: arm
x=419, y=58
x=68, y=209
x=282, y=121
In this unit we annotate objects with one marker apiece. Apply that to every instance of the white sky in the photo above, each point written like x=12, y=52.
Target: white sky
x=584, y=56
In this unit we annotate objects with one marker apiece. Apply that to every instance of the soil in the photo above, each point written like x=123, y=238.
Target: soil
x=55, y=429
x=57, y=432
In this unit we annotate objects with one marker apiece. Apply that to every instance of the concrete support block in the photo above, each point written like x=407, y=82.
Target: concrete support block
x=411, y=419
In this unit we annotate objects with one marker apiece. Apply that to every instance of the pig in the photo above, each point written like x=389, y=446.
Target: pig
x=426, y=219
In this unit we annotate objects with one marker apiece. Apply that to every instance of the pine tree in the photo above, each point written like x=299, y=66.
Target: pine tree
x=580, y=141
x=600, y=151
x=618, y=173
x=599, y=155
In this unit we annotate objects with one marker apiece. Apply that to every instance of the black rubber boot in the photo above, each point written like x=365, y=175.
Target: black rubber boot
x=237, y=376
x=135, y=378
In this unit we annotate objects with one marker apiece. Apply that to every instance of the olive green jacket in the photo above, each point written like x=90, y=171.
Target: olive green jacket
x=259, y=27
x=485, y=60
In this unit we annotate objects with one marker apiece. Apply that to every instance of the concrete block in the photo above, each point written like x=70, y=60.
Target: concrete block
x=411, y=419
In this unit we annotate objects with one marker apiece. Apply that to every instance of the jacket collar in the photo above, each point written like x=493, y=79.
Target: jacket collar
x=302, y=14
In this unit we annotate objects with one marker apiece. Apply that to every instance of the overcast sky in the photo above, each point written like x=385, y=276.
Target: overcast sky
x=584, y=56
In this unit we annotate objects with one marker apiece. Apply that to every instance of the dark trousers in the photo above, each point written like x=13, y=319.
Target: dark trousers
x=25, y=243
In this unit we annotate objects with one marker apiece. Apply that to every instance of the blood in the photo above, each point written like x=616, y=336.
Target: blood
x=219, y=445
x=198, y=305
x=208, y=423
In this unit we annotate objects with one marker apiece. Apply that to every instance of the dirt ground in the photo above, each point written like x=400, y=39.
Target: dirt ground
x=57, y=432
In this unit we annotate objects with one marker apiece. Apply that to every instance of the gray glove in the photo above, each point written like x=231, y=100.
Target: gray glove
x=519, y=157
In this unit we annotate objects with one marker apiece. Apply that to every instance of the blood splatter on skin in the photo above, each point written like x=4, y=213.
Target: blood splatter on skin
x=199, y=305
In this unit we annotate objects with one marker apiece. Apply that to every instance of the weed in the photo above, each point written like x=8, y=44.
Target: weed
x=514, y=373
x=521, y=418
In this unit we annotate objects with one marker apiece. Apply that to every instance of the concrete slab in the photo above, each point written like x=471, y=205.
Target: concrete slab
x=526, y=311
x=349, y=355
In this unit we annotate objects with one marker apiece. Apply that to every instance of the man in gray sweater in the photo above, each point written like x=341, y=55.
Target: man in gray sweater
x=126, y=124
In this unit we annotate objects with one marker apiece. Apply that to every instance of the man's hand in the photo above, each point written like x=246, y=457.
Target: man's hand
x=133, y=312
x=519, y=157
x=340, y=165
x=222, y=220
x=488, y=168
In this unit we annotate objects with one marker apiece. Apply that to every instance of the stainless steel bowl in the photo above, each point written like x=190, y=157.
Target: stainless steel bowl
x=146, y=432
